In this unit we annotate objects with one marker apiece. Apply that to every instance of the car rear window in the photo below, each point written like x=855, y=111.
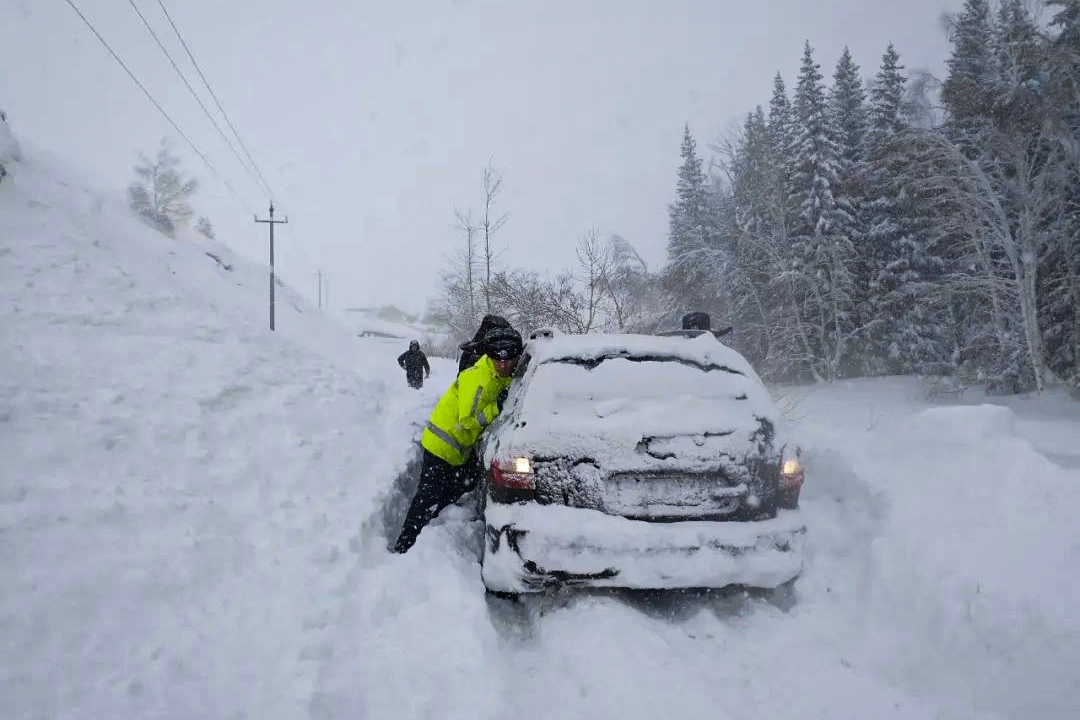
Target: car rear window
x=584, y=385
x=611, y=397
x=590, y=363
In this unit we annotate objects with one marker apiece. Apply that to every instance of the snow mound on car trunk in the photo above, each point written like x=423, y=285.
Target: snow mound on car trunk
x=632, y=400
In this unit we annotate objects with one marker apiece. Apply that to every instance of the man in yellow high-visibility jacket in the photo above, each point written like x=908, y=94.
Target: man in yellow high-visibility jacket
x=449, y=469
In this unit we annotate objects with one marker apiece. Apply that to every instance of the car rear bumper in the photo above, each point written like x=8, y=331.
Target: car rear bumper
x=530, y=546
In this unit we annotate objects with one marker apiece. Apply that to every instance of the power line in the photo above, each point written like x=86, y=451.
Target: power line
x=192, y=91
x=160, y=109
x=224, y=114
x=297, y=245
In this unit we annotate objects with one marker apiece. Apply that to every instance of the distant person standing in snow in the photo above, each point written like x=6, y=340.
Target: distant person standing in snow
x=450, y=466
x=472, y=350
x=415, y=364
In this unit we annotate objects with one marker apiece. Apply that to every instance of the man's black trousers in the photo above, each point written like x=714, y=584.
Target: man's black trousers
x=441, y=484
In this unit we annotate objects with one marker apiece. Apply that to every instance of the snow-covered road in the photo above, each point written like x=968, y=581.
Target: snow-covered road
x=194, y=513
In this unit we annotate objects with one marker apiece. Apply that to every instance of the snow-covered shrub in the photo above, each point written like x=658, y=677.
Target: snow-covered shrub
x=160, y=192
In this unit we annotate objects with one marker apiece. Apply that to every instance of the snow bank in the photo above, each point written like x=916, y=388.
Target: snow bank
x=180, y=488
x=946, y=544
x=965, y=426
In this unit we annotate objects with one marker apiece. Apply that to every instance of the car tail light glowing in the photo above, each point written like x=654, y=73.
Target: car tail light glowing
x=791, y=473
x=515, y=474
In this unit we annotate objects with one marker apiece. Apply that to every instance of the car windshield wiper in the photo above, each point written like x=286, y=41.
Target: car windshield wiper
x=591, y=362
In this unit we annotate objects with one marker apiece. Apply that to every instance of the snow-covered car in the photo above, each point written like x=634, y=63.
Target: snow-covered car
x=638, y=461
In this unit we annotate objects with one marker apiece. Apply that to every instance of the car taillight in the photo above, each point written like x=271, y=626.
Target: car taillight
x=514, y=474
x=791, y=473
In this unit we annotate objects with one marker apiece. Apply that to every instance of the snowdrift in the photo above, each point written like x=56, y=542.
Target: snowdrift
x=956, y=576
x=179, y=487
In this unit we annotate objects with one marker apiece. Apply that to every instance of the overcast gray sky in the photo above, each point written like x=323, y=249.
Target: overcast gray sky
x=372, y=120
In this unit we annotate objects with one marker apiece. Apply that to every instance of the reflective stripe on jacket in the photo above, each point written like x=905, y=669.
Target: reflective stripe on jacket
x=463, y=412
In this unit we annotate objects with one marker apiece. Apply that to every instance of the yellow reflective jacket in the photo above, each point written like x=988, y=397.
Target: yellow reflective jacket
x=463, y=412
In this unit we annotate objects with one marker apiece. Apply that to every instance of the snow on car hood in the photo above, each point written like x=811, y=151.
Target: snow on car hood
x=602, y=397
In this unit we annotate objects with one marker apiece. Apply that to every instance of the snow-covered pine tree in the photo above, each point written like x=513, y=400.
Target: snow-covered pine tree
x=886, y=108
x=1020, y=87
x=987, y=336
x=787, y=348
x=848, y=118
x=968, y=90
x=688, y=276
x=758, y=253
x=847, y=106
x=1060, y=307
x=998, y=191
x=820, y=276
x=908, y=329
x=781, y=126
x=755, y=256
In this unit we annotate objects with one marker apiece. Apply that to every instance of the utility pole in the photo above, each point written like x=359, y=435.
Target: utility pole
x=319, y=275
x=272, y=222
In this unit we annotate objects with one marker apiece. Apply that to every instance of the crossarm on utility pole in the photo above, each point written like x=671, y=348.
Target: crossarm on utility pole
x=272, y=222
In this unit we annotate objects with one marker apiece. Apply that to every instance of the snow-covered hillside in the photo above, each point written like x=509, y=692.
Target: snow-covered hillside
x=194, y=513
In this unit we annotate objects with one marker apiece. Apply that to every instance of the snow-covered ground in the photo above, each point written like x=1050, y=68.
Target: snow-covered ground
x=194, y=513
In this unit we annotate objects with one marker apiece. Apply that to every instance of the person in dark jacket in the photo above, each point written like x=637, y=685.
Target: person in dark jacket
x=415, y=364
x=472, y=350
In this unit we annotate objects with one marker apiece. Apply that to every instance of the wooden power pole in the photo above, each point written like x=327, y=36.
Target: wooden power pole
x=272, y=222
x=319, y=275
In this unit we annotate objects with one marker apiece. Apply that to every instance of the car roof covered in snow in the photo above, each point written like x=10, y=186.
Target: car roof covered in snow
x=704, y=350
